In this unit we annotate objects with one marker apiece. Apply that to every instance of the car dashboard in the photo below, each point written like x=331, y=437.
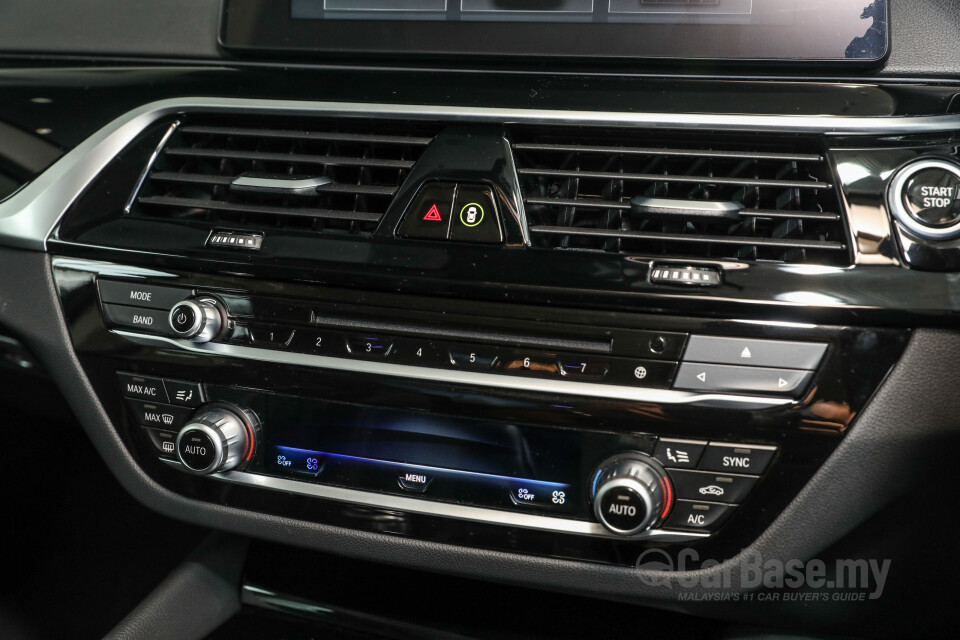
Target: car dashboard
x=641, y=313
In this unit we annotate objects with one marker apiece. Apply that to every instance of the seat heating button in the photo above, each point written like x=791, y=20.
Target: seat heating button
x=679, y=454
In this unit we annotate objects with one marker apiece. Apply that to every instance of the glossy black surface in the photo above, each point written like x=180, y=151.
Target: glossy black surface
x=77, y=100
x=806, y=433
x=778, y=30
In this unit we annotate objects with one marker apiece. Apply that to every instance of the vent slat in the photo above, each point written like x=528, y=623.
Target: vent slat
x=625, y=206
x=679, y=153
x=199, y=178
x=324, y=136
x=289, y=158
x=213, y=205
x=680, y=237
x=342, y=173
x=778, y=194
x=693, y=179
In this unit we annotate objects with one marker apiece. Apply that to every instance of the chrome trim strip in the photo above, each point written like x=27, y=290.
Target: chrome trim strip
x=29, y=217
x=149, y=166
x=452, y=376
x=441, y=509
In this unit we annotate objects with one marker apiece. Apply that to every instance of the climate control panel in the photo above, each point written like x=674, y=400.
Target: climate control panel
x=659, y=485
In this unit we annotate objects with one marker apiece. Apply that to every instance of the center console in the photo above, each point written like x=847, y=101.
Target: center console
x=555, y=431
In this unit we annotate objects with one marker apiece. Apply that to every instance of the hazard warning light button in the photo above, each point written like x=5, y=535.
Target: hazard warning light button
x=429, y=216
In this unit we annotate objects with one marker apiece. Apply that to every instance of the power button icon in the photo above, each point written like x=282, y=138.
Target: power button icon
x=471, y=214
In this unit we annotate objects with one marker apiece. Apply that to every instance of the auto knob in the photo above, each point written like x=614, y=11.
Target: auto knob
x=219, y=437
x=198, y=320
x=631, y=493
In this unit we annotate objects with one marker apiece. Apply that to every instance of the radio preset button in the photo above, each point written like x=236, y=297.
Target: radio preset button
x=369, y=346
x=142, y=387
x=713, y=487
x=320, y=343
x=416, y=352
x=698, y=516
x=572, y=367
x=679, y=454
x=267, y=336
x=530, y=362
x=473, y=357
x=737, y=458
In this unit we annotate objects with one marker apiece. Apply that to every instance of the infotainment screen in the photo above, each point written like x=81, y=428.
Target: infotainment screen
x=750, y=30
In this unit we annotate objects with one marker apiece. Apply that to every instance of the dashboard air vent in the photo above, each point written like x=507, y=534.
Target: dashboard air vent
x=324, y=175
x=744, y=198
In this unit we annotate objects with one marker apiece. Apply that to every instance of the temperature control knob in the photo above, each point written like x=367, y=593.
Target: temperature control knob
x=219, y=437
x=631, y=493
x=199, y=320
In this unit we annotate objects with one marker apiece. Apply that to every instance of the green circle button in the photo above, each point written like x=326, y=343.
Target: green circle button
x=471, y=215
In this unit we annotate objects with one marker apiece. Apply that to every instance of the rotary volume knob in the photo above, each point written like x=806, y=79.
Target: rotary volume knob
x=199, y=320
x=631, y=494
x=219, y=437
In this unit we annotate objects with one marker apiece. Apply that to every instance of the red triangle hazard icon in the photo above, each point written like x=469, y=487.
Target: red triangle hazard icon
x=433, y=215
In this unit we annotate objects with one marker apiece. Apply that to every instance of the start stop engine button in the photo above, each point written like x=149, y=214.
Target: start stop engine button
x=925, y=198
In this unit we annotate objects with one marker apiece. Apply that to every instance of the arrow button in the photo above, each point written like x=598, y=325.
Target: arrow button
x=761, y=381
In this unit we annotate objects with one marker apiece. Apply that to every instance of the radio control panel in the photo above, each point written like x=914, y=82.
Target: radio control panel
x=644, y=359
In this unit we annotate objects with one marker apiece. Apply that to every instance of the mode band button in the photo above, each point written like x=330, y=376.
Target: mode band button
x=694, y=376
x=141, y=320
x=137, y=294
x=755, y=353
